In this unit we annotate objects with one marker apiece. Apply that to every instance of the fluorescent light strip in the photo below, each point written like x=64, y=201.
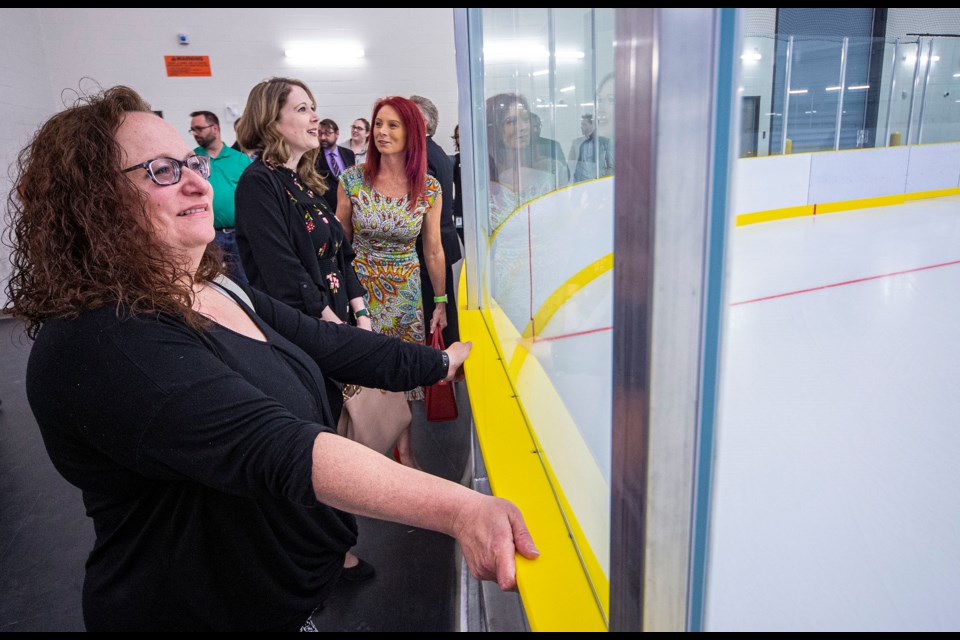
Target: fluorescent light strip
x=856, y=87
x=569, y=54
x=327, y=54
x=525, y=52
x=912, y=59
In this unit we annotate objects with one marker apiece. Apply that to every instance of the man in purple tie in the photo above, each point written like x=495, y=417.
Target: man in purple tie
x=332, y=159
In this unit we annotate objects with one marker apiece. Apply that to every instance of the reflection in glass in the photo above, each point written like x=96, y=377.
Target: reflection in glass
x=546, y=268
x=591, y=155
x=520, y=170
x=940, y=116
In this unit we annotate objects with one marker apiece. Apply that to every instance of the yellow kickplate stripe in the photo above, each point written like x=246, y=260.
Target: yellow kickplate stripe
x=555, y=590
x=938, y=193
x=774, y=214
x=569, y=452
x=860, y=203
x=842, y=205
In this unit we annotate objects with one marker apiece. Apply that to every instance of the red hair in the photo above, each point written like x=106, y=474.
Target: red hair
x=415, y=156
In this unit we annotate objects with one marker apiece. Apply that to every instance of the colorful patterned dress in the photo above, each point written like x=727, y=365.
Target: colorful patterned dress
x=385, y=233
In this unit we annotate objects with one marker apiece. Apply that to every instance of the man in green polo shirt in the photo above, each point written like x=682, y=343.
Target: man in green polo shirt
x=226, y=166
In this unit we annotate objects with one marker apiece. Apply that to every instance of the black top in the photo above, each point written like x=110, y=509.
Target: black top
x=440, y=167
x=193, y=453
x=457, y=196
x=550, y=148
x=291, y=244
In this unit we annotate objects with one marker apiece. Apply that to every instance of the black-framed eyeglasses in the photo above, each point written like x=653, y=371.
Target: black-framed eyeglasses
x=357, y=128
x=166, y=171
x=193, y=130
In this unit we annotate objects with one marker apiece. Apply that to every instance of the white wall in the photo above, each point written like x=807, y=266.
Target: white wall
x=780, y=182
x=47, y=51
x=407, y=51
x=24, y=99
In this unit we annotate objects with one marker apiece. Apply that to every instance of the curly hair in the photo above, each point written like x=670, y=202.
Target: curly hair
x=415, y=156
x=79, y=230
x=258, y=128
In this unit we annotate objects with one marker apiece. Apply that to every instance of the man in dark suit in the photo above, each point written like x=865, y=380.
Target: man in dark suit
x=332, y=159
x=440, y=167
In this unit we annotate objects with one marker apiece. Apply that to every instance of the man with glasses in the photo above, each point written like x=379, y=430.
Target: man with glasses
x=226, y=166
x=332, y=159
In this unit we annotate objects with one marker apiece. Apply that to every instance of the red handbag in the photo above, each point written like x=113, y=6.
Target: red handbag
x=439, y=398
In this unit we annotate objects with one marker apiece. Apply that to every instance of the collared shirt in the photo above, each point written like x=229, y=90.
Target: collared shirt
x=225, y=172
x=334, y=160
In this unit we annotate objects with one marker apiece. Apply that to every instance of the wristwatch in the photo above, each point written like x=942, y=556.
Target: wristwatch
x=446, y=363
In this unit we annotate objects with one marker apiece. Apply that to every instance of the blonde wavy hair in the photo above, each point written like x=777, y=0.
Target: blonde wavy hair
x=258, y=128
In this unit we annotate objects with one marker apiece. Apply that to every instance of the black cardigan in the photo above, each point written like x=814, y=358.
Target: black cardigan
x=277, y=253
x=193, y=450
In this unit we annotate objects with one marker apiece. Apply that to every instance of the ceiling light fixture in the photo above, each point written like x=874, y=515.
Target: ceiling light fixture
x=327, y=54
x=525, y=52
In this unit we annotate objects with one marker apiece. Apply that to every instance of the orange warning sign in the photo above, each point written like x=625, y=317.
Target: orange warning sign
x=180, y=66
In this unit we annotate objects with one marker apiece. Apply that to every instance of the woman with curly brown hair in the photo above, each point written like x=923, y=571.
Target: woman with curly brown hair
x=192, y=417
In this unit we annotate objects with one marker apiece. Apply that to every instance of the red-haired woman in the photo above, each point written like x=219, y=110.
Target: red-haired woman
x=382, y=206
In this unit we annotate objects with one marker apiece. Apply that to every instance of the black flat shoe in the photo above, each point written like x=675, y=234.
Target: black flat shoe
x=361, y=571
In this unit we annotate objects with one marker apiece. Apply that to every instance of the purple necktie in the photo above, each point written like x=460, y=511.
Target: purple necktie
x=334, y=165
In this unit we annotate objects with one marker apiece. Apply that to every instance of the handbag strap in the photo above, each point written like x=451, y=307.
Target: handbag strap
x=223, y=283
x=436, y=340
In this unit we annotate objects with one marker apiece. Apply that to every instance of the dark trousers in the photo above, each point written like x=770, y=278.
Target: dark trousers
x=226, y=239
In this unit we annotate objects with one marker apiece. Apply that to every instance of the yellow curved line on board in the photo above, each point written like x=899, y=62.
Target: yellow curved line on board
x=495, y=232
x=560, y=296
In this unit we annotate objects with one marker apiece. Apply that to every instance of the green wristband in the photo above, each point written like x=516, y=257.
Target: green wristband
x=442, y=298
x=359, y=313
